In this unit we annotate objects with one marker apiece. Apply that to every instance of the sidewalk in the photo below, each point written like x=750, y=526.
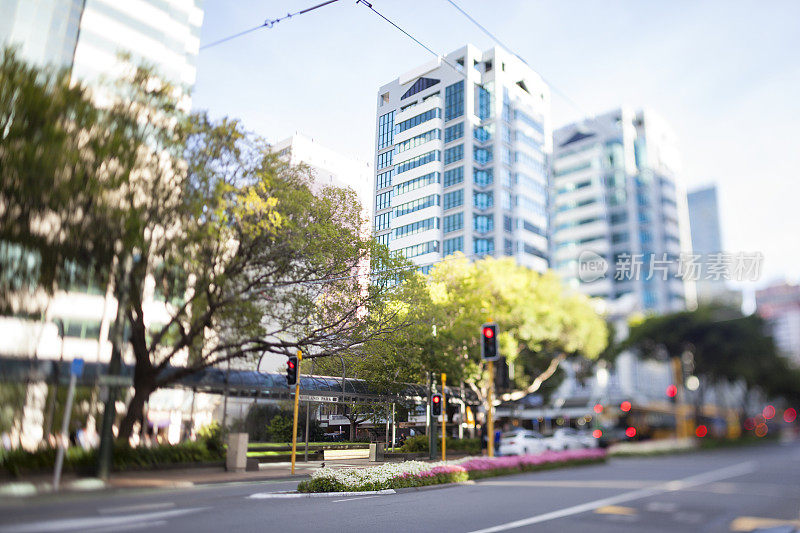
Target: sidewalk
x=172, y=478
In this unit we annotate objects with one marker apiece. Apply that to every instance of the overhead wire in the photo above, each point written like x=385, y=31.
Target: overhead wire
x=269, y=23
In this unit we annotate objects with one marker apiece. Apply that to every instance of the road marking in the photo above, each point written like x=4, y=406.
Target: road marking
x=95, y=522
x=594, y=484
x=749, y=523
x=678, y=484
x=269, y=495
x=133, y=508
x=616, y=509
x=351, y=499
x=128, y=527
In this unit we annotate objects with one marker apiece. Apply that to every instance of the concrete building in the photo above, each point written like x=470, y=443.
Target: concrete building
x=86, y=37
x=707, y=240
x=329, y=167
x=461, y=156
x=618, y=207
x=779, y=305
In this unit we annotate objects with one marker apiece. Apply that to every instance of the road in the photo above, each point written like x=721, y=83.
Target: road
x=721, y=491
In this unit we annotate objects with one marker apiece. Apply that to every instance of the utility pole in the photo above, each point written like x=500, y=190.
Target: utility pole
x=105, y=451
x=444, y=419
x=490, y=411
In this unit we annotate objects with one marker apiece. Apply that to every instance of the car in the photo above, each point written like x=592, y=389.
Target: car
x=521, y=442
x=564, y=439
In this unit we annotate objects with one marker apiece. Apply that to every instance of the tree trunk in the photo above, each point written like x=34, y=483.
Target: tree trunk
x=143, y=388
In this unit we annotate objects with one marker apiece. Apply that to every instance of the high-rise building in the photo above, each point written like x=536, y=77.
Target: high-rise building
x=706, y=242
x=779, y=305
x=616, y=201
x=86, y=36
x=461, y=156
x=329, y=167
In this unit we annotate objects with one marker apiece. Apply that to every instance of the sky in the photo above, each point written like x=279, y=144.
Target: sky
x=724, y=74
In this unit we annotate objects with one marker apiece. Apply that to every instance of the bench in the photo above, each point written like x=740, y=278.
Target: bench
x=356, y=453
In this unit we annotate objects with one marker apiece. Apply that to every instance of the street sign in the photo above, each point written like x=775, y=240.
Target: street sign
x=76, y=368
x=311, y=398
x=115, y=381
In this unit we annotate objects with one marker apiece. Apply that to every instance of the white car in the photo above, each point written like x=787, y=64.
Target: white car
x=564, y=439
x=521, y=442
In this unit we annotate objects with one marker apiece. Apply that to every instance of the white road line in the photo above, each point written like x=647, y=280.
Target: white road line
x=351, y=499
x=133, y=508
x=678, y=484
x=128, y=527
x=94, y=522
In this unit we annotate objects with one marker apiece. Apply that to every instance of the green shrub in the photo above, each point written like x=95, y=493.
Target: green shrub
x=211, y=435
x=419, y=443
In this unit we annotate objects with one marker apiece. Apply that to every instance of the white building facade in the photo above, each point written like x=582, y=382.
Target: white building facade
x=461, y=158
x=616, y=195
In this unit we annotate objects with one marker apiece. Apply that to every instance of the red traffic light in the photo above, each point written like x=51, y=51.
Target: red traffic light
x=701, y=431
x=290, y=363
x=436, y=399
x=630, y=432
x=625, y=406
x=672, y=391
x=598, y=408
x=488, y=332
x=597, y=433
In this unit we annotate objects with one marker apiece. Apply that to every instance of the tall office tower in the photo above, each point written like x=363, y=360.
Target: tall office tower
x=86, y=35
x=779, y=305
x=461, y=155
x=616, y=198
x=706, y=242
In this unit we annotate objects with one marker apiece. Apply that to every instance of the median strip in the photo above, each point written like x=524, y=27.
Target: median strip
x=418, y=474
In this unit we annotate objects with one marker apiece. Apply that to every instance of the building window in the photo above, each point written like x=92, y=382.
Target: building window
x=416, y=205
x=453, y=222
x=508, y=224
x=383, y=239
x=451, y=246
x=384, y=159
x=453, y=154
x=383, y=200
x=382, y=221
x=416, y=227
x=483, y=223
x=420, y=160
x=418, y=140
x=482, y=133
x=454, y=101
x=453, y=199
x=386, y=130
x=507, y=200
x=416, y=183
x=384, y=179
x=456, y=131
x=483, y=178
x=483, y=200
x=483, y=102
x=417, y=120
x=419, y=249
x=529, y=120
x=508, y=247
x=453, y=176
x=482, y=155
x=533, y=228
x=483, y=246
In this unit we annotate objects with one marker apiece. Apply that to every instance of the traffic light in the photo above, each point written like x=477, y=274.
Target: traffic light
x=489, y=350
x=291, y=371
x=502, y=382
x=436, y=404
x=672, y=393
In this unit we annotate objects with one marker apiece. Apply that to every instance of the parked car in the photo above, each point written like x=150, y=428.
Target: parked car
x=521, y=442
x=564, y=439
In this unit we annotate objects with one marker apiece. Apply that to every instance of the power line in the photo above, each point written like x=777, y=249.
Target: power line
x=426, y=47
x=269, y=23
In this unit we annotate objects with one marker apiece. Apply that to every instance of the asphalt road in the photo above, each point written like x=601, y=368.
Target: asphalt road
x=732, y=490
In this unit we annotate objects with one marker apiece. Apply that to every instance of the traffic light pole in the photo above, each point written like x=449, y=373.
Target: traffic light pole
x=296, y=404
x=490, y=411
x=444, y=420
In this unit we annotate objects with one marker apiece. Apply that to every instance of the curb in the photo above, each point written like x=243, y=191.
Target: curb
x=434, y=487
x=285, y=495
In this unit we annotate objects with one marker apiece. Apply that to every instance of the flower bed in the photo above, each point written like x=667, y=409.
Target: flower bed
x=418, y=473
